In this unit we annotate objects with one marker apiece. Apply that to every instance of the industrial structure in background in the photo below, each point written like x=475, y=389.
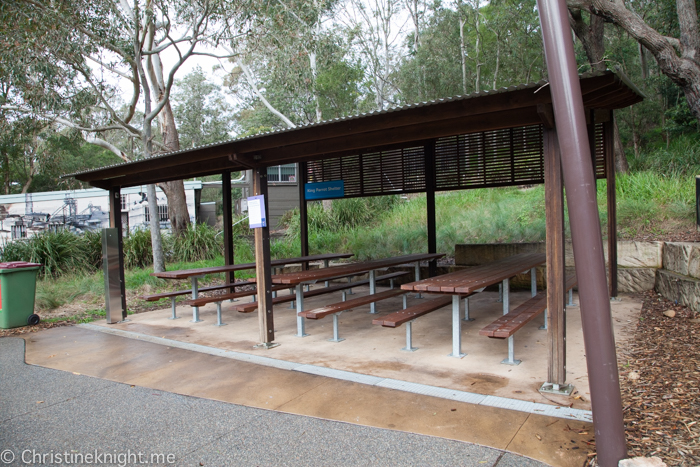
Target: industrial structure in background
x=25, y=215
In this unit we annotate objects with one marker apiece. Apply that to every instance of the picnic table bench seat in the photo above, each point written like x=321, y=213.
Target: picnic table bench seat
x=177, y=293
x=252, y=306
x=507, y=325
x=173, y=295
x=410, y=314
x=336, y=309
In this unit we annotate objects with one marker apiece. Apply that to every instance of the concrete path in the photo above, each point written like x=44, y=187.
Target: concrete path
x=46, y=412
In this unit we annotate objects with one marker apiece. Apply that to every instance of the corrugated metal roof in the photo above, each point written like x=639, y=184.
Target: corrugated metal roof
x=533, y=85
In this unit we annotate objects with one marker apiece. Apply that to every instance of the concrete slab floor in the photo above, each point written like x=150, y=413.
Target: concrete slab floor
x=81, y=351
x=375, y=350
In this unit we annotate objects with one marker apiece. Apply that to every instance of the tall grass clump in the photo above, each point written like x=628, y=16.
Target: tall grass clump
x=58, y=252
x=138, y=252
x=93, y=248
x=197, y=242
x=680, y=158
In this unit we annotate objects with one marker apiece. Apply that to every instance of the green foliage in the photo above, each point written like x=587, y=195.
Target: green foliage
x=93, y=249
x=58, y=252
x=197, y=242
x=680, y=158
x=138, y=252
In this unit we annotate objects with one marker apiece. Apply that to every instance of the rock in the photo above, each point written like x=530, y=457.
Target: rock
x=642, y=462
x=684, y=290
x=633, y=376
x=639, y=254
x=670, y=313
x=682, y=258
x=635, y=279
x=694, y=320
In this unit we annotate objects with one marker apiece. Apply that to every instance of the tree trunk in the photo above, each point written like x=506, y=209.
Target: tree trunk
x=154, y=224
x=677, y=58
x=621, y=164
x=175, y=190
x=177, y=205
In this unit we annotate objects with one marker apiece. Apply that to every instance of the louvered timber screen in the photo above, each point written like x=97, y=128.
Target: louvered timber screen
x=507, y=157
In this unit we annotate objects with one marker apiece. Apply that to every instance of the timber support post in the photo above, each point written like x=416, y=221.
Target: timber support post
x=263, y=269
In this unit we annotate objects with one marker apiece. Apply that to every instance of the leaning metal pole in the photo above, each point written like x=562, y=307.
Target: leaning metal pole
x=580, y=186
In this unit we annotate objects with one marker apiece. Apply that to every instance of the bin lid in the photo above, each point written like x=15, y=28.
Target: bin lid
x=18, y=264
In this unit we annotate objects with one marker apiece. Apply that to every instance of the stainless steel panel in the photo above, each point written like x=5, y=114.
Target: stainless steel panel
x=110, y=266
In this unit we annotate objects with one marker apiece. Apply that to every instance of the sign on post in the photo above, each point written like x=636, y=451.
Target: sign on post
x=325, y=190
x=256, y=212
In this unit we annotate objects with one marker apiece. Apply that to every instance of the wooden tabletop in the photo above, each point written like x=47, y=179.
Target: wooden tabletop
x=350, y=268
x=187, y=273
x=470, y=280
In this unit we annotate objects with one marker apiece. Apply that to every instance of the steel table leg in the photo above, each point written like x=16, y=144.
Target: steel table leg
x=300, y=307
x=195, y=293
x=174, y=316
x=456, y=329
x=372, y=290
x=409, y=338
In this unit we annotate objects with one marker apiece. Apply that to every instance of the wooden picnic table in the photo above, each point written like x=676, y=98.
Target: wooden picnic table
x=197, y=273
x=299, y=279
x=475, y=279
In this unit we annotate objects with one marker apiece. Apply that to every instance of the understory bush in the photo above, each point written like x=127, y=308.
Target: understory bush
x=58, y=252
x=197, y=242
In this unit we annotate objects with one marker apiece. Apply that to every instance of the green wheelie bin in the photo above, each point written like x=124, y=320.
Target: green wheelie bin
x=17, y=291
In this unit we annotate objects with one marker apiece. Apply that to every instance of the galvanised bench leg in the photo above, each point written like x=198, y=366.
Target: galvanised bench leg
x=325, y=265
x=409, y=338
x=466, y=310
x=533, y=281
x=300, y=307
x=218, y=315
x=571, y=298
x=511, y=353
x=335, y=329
x=372, y=290
x=292, y=304
x=418, y=295
x=405, y=300
x=500, y=292
x=350, y=292
x=195, y=293
x=345, y=295
x=544, y=326
x=505, y=295
x=456, y=329
x=174, y=316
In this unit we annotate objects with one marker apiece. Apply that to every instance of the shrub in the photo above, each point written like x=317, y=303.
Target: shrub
x=58, y=252
x=138, y=252
x=197, y=242
x=93, y=249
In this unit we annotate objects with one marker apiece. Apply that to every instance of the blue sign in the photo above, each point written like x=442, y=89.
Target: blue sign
x=325, y=190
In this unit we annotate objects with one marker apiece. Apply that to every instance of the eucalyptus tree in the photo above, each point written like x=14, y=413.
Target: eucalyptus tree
x=668, y=30
x=202, y=114
x=104, y=46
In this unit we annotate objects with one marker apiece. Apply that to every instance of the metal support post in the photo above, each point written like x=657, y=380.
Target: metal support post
x=466, y=310
x=350, y=292
x=546, y=320
x=409, y=338
x=335, y=329
x=511, y=353
x=195, y=292
x=325, y=265
x=372, y=290
x=300, y=307
x=571, y=298
x=218, y=315
x=405, y=301
x=456, y=329
x=500, y=292
x=533, y=281
x=174, y=316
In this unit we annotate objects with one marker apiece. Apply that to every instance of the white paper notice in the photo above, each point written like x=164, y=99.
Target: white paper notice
x=254, y=212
